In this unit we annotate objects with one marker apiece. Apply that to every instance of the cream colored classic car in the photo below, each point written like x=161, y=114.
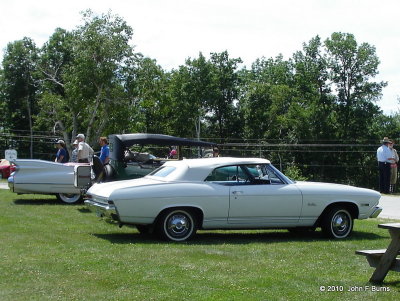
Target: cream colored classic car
x=229, y=193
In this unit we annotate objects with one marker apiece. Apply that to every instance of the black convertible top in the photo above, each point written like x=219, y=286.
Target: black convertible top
x=158, y=139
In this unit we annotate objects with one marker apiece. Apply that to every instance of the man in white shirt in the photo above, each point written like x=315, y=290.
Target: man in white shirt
x=385, y=158
x=85, y=152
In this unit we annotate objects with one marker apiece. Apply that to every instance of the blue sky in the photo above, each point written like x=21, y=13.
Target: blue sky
x=172, y=30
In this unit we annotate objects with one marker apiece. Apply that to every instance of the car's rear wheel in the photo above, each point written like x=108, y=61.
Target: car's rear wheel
x=69, y=198
x=177, y=225
x=337, y=223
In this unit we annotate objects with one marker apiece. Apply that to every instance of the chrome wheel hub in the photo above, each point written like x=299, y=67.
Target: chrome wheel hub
x=340, y=223
x=178, y=225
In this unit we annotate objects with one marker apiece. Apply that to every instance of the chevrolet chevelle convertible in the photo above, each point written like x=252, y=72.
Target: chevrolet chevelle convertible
x=229, y=193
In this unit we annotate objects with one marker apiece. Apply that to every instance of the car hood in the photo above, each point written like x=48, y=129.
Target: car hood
x=104, y=190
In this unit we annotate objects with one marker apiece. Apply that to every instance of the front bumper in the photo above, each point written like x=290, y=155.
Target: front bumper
x=376, y=211
x=106, y=211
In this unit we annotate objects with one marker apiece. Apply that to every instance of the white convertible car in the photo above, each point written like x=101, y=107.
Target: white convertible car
x=229, y=193
x=69, y=181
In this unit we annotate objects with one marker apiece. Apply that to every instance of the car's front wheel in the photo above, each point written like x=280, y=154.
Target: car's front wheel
x=69, y=198
x=337, y=223
x=177, y=225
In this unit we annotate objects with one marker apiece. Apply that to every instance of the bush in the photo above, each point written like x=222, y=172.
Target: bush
x=293, y=172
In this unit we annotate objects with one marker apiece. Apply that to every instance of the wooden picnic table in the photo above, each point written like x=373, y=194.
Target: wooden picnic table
x=385, y=259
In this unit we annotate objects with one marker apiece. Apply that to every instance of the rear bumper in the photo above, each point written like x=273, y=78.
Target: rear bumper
x=106, y=211
x=376, y=211
x=10, y=181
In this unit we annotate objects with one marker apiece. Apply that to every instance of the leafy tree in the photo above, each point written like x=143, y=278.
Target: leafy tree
x=20, y=86
x=189, y=89
x=146, y=86
x=204, y=94
x=314, y=90
x=221, y=109
x=88, y=75
x=267, y=100
x=351, y=69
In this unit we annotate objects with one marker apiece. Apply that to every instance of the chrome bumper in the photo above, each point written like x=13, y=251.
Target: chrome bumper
x=10, y=181
x=106, y=211
x=376, y=211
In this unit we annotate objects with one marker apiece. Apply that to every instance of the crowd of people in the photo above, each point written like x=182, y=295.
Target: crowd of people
x=82, y=152
x=388, y=159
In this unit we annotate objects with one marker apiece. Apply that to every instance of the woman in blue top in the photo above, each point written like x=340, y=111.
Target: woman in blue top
x=105, y=150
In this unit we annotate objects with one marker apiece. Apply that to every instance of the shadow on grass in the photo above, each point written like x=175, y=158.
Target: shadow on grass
x=391, y=283
x=84, y=210
x=229, y=237
x=43, y=201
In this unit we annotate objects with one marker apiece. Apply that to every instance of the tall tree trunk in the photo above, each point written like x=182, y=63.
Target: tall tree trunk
x=94, y=113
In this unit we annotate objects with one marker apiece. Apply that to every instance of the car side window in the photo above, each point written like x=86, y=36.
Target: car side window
x=251, y=174
x=228, y=175
x=272, y=176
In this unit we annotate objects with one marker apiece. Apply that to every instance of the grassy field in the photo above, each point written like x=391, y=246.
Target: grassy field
x=51, y=251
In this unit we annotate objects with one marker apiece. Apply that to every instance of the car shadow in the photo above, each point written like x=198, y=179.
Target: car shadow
x=42, y=201
x=84, y=210
x=216, y=238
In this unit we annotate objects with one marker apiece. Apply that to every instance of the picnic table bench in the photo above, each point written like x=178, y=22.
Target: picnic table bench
x=385, y=259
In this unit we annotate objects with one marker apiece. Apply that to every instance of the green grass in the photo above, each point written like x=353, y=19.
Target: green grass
x=51, y=251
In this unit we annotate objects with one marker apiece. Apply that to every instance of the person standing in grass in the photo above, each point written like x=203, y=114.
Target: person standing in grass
x=393, y=167
x=385, y=159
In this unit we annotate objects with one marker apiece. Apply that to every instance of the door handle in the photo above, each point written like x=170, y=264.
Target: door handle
x=237, y=192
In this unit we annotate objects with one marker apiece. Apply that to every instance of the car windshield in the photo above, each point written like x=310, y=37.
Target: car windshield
x=163, y=171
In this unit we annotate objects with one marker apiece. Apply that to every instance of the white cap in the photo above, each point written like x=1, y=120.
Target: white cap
x=80, y=136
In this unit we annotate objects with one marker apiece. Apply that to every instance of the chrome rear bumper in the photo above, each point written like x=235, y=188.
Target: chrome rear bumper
x=10, y=181
x=376, y=211
x=106, y=211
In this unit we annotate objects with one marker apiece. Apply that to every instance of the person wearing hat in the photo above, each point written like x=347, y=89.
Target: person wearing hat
x=85, y=152
x=62, y=155
x=385, y=159
x=74, y=154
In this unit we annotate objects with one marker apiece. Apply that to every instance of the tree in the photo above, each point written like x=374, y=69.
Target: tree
x=351, y=69
x=146, y=85
x=314, y=89
x=267, y=101
x=88, y=75
x=189, y=89
x=20, y=86
x=221, y=106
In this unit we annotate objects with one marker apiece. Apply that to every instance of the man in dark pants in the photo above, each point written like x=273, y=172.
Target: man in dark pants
x=385, y=158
